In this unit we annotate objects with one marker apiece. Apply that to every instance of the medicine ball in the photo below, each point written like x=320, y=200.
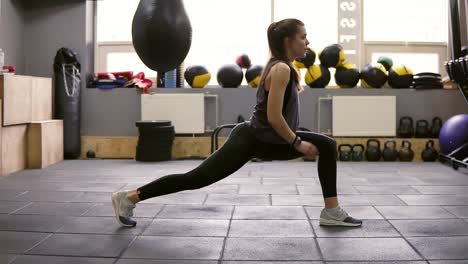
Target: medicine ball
x=197, y=76
x=307, y=61
x=332, y=56
x=244, y=61
x=400, y=77
x=347, y=76
x=386, y=62
x=253, y=75
x=317, y=76
x=373, y=76
x=230, y=76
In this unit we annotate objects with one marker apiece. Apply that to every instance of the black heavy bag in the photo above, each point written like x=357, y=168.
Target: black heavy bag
x=161, y=33
x=68, y=100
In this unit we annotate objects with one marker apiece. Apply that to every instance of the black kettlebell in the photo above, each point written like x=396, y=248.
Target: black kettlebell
x=406, y=153
x=429, y=153
x=345, y=155
x=373, y=152
x=390, y=153
x=357, y=155
x=422, y=129
x=90, y=154
x=436, y=126
x=406, y=129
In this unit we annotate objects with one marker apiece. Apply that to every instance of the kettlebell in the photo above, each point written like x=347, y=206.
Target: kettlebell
x=406, y=129
x=422, y=129
x=357, y=155
x=390, y=153
x=406, y=153
x=373, y=152
x=345, y=155
x=436, y=126
x=429, y=153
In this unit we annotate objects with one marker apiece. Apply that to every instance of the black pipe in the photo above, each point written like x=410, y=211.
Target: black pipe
x=455, y=29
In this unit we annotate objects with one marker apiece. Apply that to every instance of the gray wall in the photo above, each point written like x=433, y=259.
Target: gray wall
x=120, y=108
x=12, y=34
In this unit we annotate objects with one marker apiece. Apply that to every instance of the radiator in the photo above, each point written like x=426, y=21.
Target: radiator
x=186, y=111
x=364, y=116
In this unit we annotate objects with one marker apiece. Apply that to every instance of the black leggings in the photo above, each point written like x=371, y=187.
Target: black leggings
x=240, y=147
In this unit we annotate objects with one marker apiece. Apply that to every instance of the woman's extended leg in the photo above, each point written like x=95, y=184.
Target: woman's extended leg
x=234, y=153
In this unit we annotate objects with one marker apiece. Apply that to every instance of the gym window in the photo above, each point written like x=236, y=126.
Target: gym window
x=402, y=29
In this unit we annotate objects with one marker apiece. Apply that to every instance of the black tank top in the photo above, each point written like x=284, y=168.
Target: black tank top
x=259, y=121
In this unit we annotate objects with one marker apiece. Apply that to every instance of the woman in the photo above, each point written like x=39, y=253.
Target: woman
x=268, y=135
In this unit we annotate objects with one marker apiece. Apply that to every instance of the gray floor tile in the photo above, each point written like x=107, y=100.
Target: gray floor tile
x=314, y=200
x=288, y=180
x=92, y=197
x=46, y=196
x=427, y=199
x=459, y=211
x=187, y=227
x=272, y=262
x=217, y=188
x=19, y=242
x=9, y=195
x=442, y=179
x=268, y=189
x=244, y=199
x=366, y=249
x=358, y=212
x=449, y=261
x=271, y=249
x=6, y=259
x=141, y=210
x=369, y=228
x=7, y=207
x=414, y=212
x=426, y=189
x=32, y=259
x=396, y=189
x=269, y=212
x=32, y=223
x=317, y=189
x=196, y=248
x=83, y=245
x=438, y=248
x=101, y=225
x=377, y=262
x=153, y=261
x=270, y=228
x=67, y=209
x=196, y=211
x=438, y=227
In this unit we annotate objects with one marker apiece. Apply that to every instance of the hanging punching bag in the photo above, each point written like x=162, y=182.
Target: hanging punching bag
x=68, y=100
x=161, y=33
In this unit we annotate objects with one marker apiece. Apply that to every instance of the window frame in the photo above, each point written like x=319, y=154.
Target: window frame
x=102, y=48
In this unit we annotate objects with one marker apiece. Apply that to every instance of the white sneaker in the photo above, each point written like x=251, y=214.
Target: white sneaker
x=340, y=218
x=123, y=209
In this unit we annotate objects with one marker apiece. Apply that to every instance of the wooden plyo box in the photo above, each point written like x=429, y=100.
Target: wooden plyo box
x=25, y=99
x=13, y=147
x=45, y=143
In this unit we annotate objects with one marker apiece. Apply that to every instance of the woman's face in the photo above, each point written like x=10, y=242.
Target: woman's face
x=298, y=45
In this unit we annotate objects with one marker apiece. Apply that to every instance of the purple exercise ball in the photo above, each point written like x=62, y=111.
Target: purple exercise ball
x=454, y=133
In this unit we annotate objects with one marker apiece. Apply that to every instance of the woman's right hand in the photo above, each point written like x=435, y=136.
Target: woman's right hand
x=309, y=150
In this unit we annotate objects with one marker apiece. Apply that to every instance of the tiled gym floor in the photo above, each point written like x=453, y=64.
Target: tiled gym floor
x=265, y=213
